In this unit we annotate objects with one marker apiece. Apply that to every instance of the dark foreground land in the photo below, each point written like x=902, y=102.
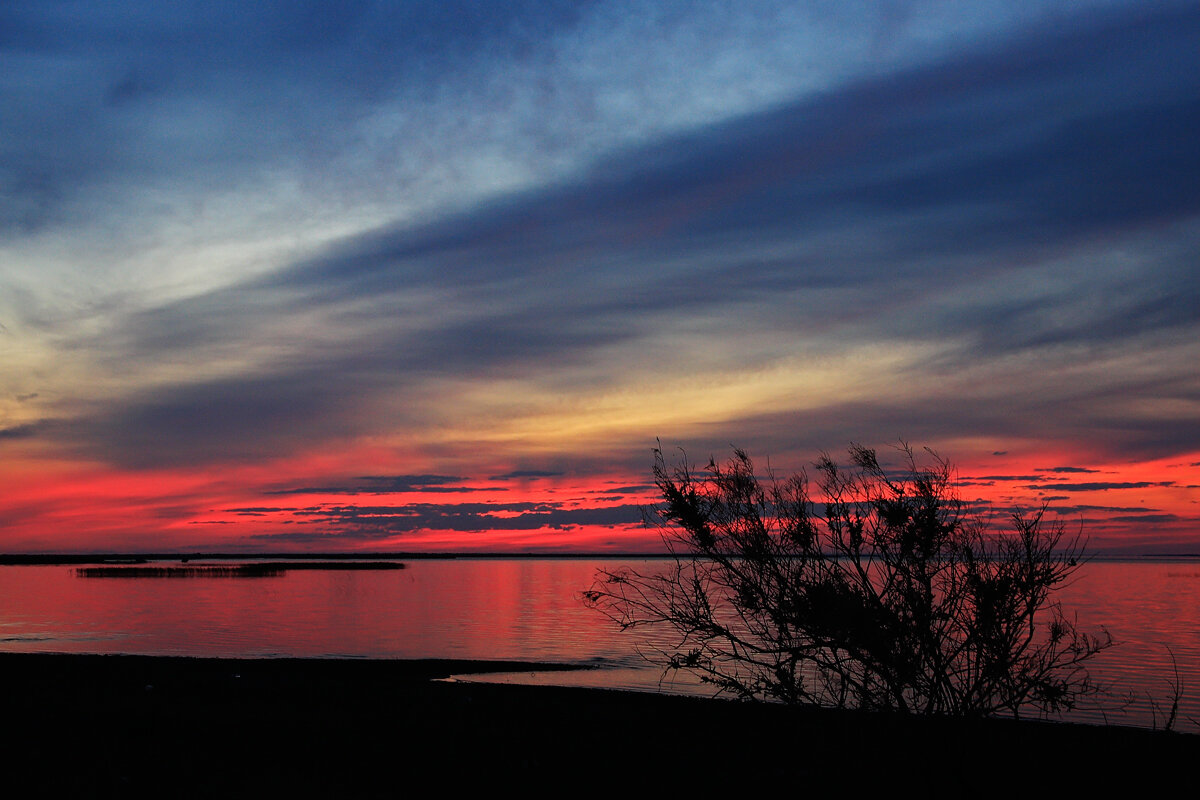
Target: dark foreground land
x=98, y=725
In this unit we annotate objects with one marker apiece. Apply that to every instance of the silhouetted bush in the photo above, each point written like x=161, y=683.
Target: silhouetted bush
x=879, y=590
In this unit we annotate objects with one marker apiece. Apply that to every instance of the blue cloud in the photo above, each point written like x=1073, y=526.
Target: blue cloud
x=911, y=196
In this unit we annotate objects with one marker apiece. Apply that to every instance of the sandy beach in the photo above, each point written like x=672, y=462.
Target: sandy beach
x=171, y=726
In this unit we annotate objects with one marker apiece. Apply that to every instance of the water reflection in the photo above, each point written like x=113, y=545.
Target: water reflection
x=520, y=609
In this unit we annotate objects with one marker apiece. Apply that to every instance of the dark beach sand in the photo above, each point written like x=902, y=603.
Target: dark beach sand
x=167, y=727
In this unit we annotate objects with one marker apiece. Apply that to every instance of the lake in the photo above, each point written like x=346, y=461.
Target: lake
x=522, y=609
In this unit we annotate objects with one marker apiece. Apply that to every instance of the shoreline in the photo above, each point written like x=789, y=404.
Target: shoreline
x=113, y=558
x=181, y=725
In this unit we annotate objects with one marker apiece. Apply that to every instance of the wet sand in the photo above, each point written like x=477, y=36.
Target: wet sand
x=273, y=727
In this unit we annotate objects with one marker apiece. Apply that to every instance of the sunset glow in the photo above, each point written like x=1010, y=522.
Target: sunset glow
x=440, y=278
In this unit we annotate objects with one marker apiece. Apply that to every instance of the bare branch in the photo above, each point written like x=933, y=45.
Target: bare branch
x=875, y=589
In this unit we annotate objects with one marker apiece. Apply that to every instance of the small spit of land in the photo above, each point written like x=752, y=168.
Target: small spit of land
x=256, y=569
x=177, y=726
x=45, y=559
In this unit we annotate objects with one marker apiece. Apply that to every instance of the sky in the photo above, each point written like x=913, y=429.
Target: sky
x=440, y=276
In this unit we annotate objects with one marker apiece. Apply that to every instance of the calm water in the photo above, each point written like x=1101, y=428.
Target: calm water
x=524, y=609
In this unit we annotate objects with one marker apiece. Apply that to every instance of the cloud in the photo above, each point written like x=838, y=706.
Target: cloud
x=224, y=420
x=433, y=96
x=378, y=521
x=193, y=94
x=937, y=204
x=390, y=484
x=526, y=474
x=21, y=431
x=1008, y=478
x=1025, y=478
x=1146, y=519
x=1099, y=486
x=971, y=158
x=1080, y=509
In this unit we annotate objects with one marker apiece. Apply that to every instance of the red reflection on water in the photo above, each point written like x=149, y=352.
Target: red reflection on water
x=521, y=609
x=510, y=609
x=1152, y=610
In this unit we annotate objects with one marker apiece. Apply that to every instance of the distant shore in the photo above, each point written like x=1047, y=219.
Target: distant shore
x=75, y=559
x=171, y=726
x=253, y=569
x=52, y=559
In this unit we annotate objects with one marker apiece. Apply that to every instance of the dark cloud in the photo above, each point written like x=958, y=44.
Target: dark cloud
x=984, y=139
x=902, y=196
x=1055, y=471
x=261, y=85
x=1050, y=414
x=390, y=484
x=1008, y=477
x=227, y=420
x=966, y=165
x=406, y=482
x=465, y=517
x=1081, y=509
x=1147, y=519
x=526, y=474
x=19, y=431
x=1099, y=486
